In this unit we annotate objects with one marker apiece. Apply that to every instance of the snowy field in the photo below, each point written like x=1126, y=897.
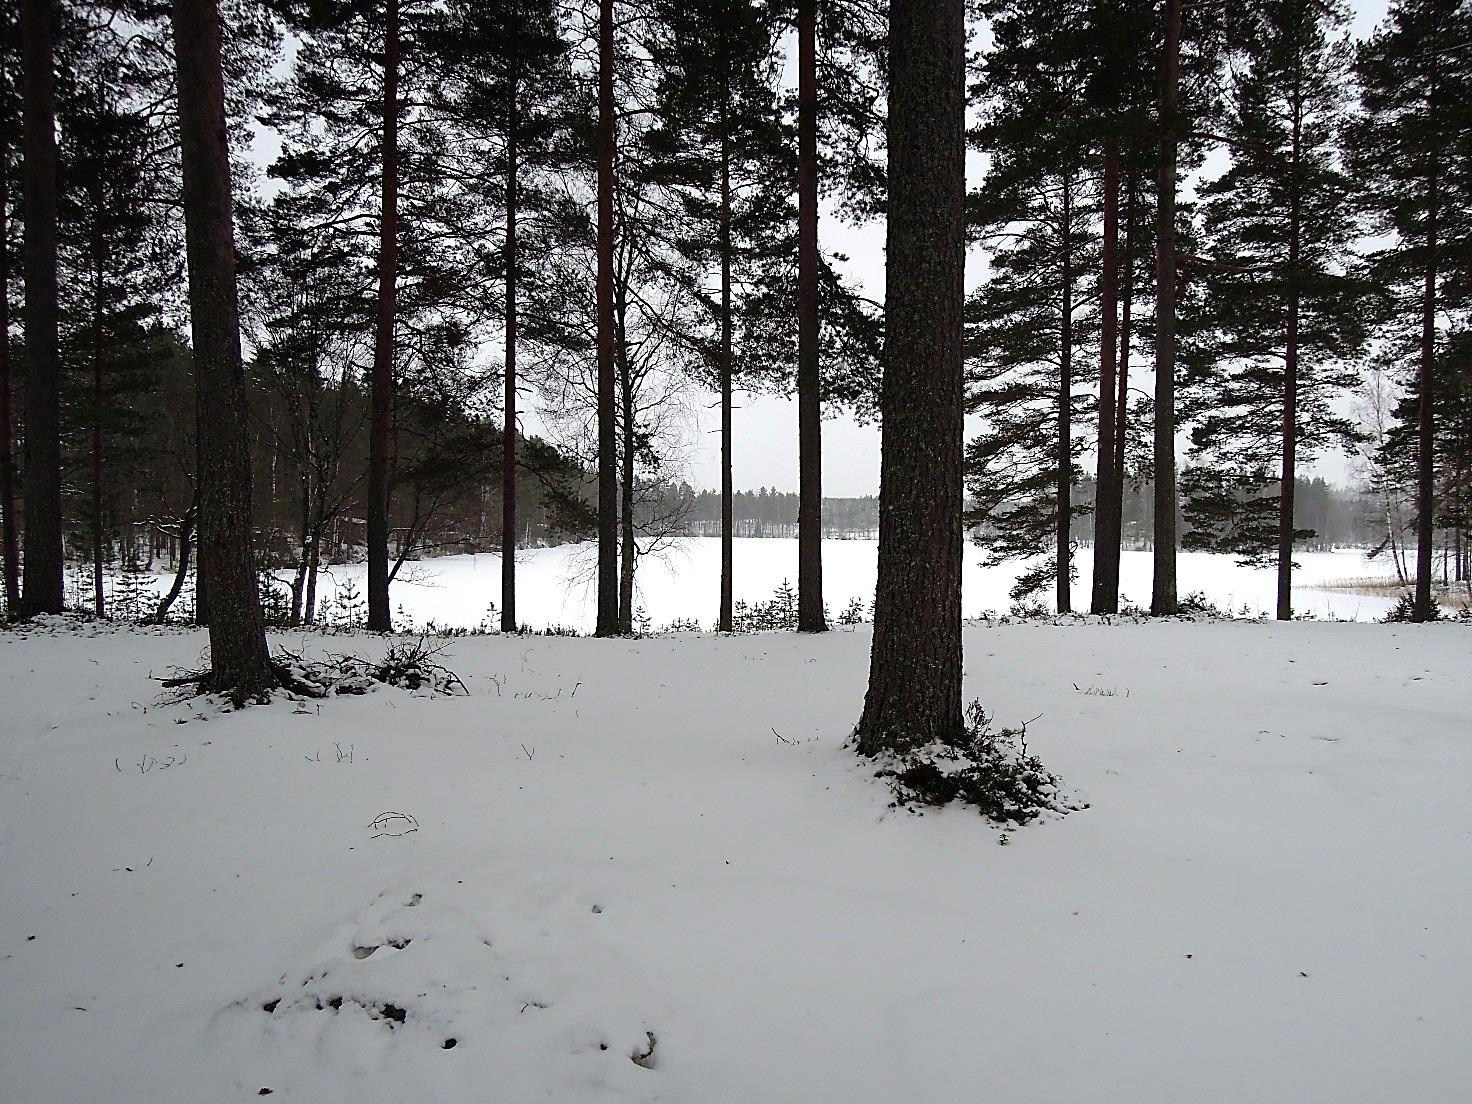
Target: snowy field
x=555, y=585
x=1267, y=901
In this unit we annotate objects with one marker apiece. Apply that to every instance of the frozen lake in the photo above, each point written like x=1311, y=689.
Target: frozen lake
x=555, y=585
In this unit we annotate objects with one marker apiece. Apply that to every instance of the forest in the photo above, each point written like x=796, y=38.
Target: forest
x=416, y=192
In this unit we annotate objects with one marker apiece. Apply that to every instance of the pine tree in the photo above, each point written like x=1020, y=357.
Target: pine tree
x=114, y=282
x=719, y=146
x=1288, y=319
x=1409, y=149
x=369, y=74
x=842, y=77
x=239, y=661
x=384, y=327
x=605, y=147
x=515, y=100
x=1163, y=597
x=1028, y=324
x=914, y=694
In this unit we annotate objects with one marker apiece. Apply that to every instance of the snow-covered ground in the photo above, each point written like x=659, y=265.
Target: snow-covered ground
x=663, y=839
x=555, y=585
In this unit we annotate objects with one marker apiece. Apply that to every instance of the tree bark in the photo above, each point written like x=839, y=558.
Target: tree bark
x=1105, y=595
x=608, y=581
x=1287, y=484
x=201, y=584
x=1426, y=386
x=1064, y=453
x=181, y=572
x=626, y=463
x=299, y=580
x=810, y=615
x=9, y=530
x=1126, y=336
x=42, y=589
x=99, y=604
x=1163, y=599
x=728, y=566
x=914, y=694
x=380, y=618
x=239, y=661
x=508, y=421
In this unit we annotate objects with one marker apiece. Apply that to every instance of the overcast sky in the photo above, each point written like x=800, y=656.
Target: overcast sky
x=765, y=426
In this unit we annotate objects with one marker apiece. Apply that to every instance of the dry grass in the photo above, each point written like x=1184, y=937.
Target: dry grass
x=1454, y=598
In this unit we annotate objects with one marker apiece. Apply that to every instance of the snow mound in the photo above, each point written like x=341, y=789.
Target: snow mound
x=416, y=973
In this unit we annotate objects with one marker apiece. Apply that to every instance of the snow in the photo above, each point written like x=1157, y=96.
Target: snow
x=555, y=585
x=1267, y=900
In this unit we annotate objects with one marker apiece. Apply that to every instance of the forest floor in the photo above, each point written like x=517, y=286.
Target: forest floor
x=649, y=870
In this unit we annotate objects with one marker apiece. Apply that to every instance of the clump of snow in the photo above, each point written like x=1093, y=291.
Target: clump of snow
x=990, y=769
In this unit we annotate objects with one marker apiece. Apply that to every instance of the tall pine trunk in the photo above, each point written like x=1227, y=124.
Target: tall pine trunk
x=1163, y=598
x=608, y=602
x=508, y=421
x=728, y=567
x=1287, y=484
x=379, y=616
x=1126, y=336
x=9, y=531
x=810, y=616
x=1426, y=386
x=1064, y=453
x=42, y=591
x=1105, y=596
x=99, y=604
x=914, y=693
x=626, y=464
x=239, y=662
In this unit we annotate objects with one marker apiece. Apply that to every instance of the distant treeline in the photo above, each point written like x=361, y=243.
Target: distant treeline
x=768, y=512
x=1338, y=516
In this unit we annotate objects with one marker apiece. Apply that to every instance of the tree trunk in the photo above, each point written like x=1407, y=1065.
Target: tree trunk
x=1426, y=386
x=725, y=621
x=1287, y=485
x=239, y=662
x=9, y=531
x=99, y=603
x=508, y=421
x=201, y=584
x=810, y=615
x=43, y=589
x=379, y=617
x=914, y=692
x=181, y=571
x=626, y=463
x=1163, y=598
x=1105, y=597
x=1126, y=336
x=608, y=589
x=1064, y=453
x=314, y=561
x=299, y=580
